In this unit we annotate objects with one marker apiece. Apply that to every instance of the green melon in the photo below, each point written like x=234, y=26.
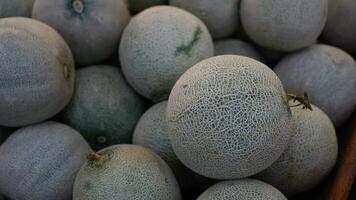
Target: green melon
x=236, y=47
x=91, y=28
x=104, y=108
x=245, y=189
x=16, y=8
x=125, y=172
x=159, y=45
x=310, y=156
x=36, y=72
x=137, y=6
x=228, y=117
x=41, y=161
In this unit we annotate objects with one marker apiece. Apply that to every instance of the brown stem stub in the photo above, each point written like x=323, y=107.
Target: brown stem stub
x=302, y=100
x=93, y=156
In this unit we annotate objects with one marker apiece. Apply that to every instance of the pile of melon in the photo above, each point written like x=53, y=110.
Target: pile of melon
x=172, y=100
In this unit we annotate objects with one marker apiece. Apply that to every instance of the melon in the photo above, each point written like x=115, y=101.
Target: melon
x=236, y=47
x=245, y=189
x=221, y=17
x=284, y=25
x=16, y=8
x=104, y=108
x=4, y=133
x=41, y=161
x=36, y=72
x=91, y=28
x=137, y=6
x=340, y=27
x=228, y=117
x=310, y=155
x=158, y=46
x=125, y=172
x=152, y=132
x=327, y=74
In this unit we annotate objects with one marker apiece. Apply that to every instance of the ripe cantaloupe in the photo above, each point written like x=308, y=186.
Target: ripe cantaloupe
x=340, y=27
x=245, y=189
x=104, y=108
x=221, y=17
x=236, y=47
x=91, y=28
x=159, y=45
x=36, y=72
x=310, y=155
x=327, y=74
x=125, y=172
x=16, y=8
x=228, y=117
x=284, y=25
x=41, y=161
x=137, y=6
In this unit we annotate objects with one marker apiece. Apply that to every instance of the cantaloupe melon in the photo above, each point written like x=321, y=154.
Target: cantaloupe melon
x=4, y=133
x=245, y=189
x=228, y=117
x=340, y=27
x=152, y=132
x=310, y=155
x=159, y=45
x=327, y=74
x=104, y=109
x=221, y=17
x=137, y=6
x=125, y=172
x=92, y=29
x=236, y=47
x=41, y=161
x=36, y=72
x=16, y=8
x=284, y=25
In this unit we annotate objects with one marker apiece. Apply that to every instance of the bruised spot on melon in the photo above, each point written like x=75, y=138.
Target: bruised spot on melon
x=187, y=49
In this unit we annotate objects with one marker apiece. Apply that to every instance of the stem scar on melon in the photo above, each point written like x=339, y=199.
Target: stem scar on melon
x=78, y=6
x=97, y=159
x=303, y=100
x=187, y=49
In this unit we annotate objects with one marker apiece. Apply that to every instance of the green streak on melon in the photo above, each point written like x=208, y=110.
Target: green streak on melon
x=187, y=49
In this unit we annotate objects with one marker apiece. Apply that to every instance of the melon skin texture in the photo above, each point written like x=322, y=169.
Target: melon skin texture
x=16, y=8
x=137, y=6
x=158, y=46
x=40, y=162
x=245, y=189
x=36, y=72
x=327, y=74
x=126, y=172
x=340, y=27
x=284, y=25
x=92, y=29
x=236, y=47
x=152, y=132
x=104, y=108
x=228, y=117
x=310, y=155
x=221, y=17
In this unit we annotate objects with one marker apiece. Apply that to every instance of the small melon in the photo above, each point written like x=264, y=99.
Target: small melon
x=137, y=6
x=104, y=108
x=40, y=162
x=91, y=28
x=310, y=155
x=16, y=8
x=327, y=74
x=228, y=117
x=159, y=45
x=340, y=27
x=125, y=172
x=245, y=189
x=236, y=47
x=36, y=72
x=284, y=25
x=4, y=133
x=221, y=17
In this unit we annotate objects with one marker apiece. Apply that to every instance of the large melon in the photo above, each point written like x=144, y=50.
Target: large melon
x=159, y=45
x=284, y=25
x=228, y=117
x=91, y=28
x=36, y=72
x=105, y=109
x=137, y=6
x=16, y=8
x=327, y=74
x=236, y=47
x=221, y=17
x=245, y=189
x=125, y=172
x=40, y=162
x=310, y=155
